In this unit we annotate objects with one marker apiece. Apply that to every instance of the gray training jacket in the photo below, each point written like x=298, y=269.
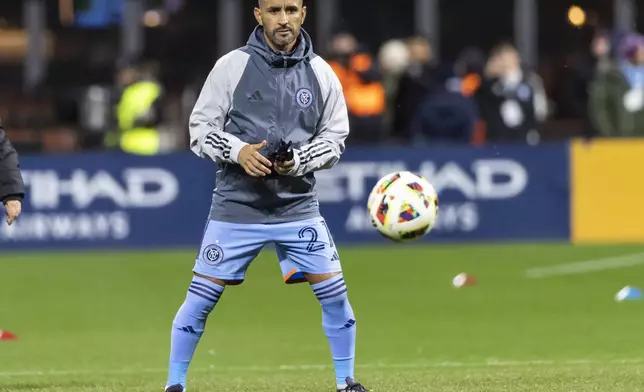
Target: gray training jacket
x=253, y=94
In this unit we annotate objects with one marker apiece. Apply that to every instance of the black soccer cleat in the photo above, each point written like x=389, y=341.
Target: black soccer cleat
x=174, y=388
x=353, y=386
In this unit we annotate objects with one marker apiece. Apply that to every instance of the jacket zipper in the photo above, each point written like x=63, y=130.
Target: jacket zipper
x=282, y=87
x=280, y=114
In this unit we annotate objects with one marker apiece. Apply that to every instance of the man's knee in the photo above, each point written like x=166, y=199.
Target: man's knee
x=332, y=290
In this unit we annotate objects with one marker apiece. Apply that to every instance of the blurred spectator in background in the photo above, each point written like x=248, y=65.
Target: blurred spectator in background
x=393, y=59
x=444, y=117
x=138, y=111
x=511, y=98
x=466, y=80
x=363, y=89
x=601, y=49
x=418, y=81
x=448, y=113
x=577, y=76
x=468, y=72
x=617, y=93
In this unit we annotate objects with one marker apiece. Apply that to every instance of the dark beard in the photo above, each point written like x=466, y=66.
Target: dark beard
x=281, y=45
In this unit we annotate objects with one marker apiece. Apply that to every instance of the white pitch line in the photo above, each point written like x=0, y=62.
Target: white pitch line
x=286, y=368
x=584, y=267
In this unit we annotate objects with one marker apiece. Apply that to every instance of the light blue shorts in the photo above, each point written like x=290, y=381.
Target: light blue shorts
x=227, y=249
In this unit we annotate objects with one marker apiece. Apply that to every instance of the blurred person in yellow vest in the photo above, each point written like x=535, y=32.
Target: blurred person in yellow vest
x=363, y=88
x=138, y=111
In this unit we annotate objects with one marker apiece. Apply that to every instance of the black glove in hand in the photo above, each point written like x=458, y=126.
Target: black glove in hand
x=284, y=152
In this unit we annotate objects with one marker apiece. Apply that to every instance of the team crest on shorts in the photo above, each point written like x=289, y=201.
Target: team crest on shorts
x=213, y=254
x=304, y=97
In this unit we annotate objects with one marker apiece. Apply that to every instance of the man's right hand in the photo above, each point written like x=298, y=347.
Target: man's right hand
x=253, y=162
x=13, y=207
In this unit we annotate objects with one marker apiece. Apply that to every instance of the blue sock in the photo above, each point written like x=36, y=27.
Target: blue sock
x=339, y=325
x=188, y=326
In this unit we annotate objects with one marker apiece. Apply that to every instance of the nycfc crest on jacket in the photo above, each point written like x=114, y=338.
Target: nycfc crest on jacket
x=252, y=94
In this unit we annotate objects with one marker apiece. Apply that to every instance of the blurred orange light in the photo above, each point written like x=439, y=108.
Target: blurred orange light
x=152, y=18
x=576, y=16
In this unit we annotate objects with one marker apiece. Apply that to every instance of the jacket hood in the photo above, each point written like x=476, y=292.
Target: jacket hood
x=303, y=49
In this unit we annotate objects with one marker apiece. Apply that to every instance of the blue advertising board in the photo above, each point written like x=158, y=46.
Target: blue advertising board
x=504, y=193
x=121, y=201
x=111, y=201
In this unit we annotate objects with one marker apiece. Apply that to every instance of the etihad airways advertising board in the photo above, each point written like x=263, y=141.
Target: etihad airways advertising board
x=114, y=200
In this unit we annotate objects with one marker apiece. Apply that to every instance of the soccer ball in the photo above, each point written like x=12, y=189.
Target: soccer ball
x=403, y=206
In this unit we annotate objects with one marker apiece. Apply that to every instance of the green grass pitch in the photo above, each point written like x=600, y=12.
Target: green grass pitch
x=101, y=322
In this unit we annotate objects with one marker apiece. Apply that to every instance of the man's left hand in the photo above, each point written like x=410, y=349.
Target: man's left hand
x=284, y=167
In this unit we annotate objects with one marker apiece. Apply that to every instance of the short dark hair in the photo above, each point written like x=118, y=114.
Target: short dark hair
x=260, y=3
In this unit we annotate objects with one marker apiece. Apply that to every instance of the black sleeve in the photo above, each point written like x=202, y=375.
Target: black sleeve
x=11, y=184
